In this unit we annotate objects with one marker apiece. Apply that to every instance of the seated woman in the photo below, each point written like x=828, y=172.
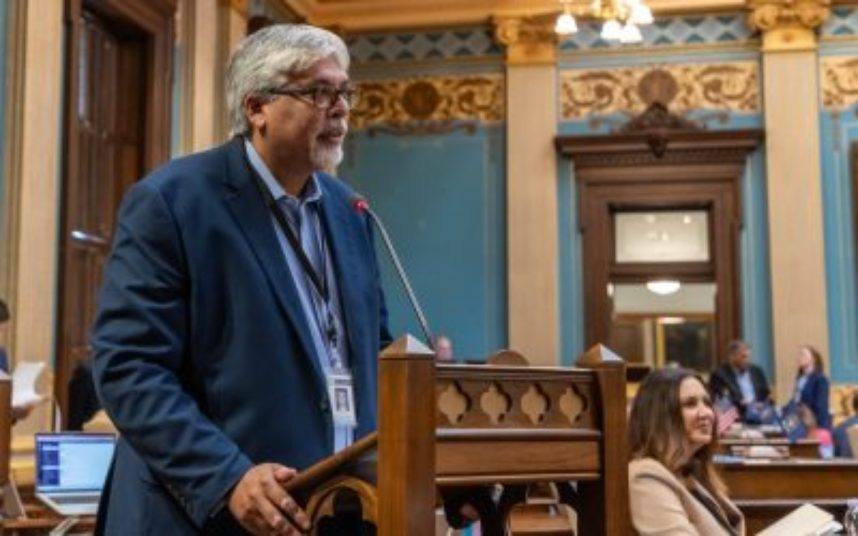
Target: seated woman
x=674, y=488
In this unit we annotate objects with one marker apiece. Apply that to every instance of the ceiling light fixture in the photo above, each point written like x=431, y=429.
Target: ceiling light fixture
x=566, y=24
x=622, y=18
x=663, y=287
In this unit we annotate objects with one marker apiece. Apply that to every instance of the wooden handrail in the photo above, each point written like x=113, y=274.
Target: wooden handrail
x=327, y=468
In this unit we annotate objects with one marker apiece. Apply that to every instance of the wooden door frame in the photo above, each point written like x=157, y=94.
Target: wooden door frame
x=154, y=21
x=659, y=169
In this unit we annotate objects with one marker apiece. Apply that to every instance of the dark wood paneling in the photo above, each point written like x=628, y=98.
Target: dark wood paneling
x=791, y=479
x=529, y=457
x=117, y=128
x=699, y=169
x=406, y=444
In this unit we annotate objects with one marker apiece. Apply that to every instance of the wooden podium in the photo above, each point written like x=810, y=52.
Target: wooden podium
x=447, y=428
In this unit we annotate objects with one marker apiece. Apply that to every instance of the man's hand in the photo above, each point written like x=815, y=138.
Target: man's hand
x=260, y=503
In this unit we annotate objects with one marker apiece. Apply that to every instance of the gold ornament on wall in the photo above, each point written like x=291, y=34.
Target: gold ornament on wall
x=839, y=78
x=788, y=24
x=528, y=40
x=422, y=104
x=723, y=87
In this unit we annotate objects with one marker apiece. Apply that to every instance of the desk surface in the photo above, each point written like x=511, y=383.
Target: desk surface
x=791, y=479
x=803, y=448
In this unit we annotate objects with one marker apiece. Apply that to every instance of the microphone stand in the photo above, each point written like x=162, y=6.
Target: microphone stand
x=361, y=204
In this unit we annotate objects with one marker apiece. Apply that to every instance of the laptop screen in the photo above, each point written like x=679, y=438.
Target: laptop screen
x=72, y=462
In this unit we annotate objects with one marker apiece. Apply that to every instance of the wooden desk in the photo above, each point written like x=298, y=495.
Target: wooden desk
x=803, y=448
x=41, y=520
x=41, y=526
x=767, y=490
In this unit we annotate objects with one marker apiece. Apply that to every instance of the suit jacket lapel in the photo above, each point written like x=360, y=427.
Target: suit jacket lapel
x=253, y=217
x=344, y=234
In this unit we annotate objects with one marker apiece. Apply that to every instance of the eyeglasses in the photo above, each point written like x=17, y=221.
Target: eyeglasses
x=322, y=97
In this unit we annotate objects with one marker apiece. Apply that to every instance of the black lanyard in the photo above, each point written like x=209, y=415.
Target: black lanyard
x=319, y=282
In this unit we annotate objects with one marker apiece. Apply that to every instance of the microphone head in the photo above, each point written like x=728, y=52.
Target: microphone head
x=359, y=204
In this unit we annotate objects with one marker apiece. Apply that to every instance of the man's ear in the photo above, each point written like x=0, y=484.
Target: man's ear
x=253, y=110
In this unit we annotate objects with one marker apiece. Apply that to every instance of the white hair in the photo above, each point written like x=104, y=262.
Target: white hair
x=265, y=58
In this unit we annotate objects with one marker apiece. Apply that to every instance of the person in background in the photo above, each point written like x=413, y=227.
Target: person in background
x=841, y=438
x=813, y=431
x=740, y=380
x=444, y=349
x=242, y=289
x=673, y=485
x=811, y=385
x=18, y=412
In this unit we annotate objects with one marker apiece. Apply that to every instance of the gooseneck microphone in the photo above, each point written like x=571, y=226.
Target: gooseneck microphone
x=361, y=206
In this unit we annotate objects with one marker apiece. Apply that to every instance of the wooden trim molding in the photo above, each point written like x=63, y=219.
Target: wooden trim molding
x=9, y=243
x=364, y=15
x=657, y=168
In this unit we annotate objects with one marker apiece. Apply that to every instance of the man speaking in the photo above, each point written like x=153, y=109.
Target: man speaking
x=242, y=292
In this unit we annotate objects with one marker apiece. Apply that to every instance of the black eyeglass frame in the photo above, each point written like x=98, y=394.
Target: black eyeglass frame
x=321, y=96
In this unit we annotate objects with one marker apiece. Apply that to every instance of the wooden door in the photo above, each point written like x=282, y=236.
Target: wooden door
x=117, y=119
x=660, y=167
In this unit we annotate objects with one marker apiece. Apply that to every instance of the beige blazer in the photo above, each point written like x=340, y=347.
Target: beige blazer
x=661, y=505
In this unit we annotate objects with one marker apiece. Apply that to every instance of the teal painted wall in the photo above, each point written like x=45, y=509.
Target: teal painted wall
x=441, y=195
x=442, y=199
x=838, y=130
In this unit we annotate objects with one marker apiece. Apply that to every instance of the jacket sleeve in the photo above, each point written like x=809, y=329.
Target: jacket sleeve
x=820, y=402
x=656, y=509
x=139, y=343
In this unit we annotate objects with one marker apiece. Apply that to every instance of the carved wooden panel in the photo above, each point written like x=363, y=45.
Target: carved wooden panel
x=504, y=397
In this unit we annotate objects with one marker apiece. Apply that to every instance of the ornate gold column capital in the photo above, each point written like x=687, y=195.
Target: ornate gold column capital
x=528, y=40
x=788, y=24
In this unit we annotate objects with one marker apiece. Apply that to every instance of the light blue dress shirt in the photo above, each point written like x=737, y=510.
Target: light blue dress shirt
x=302, y=214
x=743, y=378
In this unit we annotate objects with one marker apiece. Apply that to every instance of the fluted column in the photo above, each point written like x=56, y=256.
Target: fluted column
x=532, y=272
x=791, y=91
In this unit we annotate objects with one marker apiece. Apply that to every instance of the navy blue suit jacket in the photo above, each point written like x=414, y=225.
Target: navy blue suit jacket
x=815, y=396
x=202, y=352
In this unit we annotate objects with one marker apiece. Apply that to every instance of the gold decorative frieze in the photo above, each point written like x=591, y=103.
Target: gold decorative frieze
x=528, y=40
x=723, y=87
x=427, y=102
x=788, y=24
x=839, y=80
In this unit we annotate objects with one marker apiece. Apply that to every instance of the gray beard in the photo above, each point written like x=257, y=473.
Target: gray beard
x=326, y=158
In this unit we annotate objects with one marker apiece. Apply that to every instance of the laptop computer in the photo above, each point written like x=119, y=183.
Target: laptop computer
x=71, y=469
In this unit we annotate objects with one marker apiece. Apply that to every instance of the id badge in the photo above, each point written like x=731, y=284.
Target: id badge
x=341, y=397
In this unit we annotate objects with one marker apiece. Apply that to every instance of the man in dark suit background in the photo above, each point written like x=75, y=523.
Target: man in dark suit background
x=241, y=287
x=739, y=379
